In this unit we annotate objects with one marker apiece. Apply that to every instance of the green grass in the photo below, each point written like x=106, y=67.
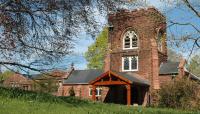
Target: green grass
x=14, y=101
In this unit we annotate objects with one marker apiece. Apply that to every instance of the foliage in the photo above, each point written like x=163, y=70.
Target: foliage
x=42, y=32
x=71, y=92
x=180, y=93
x=15, y=101
x=173, y=55
x=46, y=84
x=96, y=52
x=15, y=93
x=194, y=65
x=5, y=75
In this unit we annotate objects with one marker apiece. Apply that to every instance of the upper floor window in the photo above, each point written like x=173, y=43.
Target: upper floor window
x=159, y=41
x=130, y=40
x=130, y=63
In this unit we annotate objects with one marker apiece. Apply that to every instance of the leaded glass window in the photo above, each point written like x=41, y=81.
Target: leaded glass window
x=130, y=40
x=126, y=63
x=133, y=63
x=130, y=63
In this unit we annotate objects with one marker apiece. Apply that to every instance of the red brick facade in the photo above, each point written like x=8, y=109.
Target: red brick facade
x=18, y=81
x=82, y=91
x=149, y=26
x=146, y=23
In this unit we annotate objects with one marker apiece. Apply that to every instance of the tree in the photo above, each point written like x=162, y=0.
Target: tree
x=96, y=52
x=173, y=56
x=194, y=65
x=187, y=40
x=36, y=33
x=46, y=83
x=180, y=93
x=5, y=75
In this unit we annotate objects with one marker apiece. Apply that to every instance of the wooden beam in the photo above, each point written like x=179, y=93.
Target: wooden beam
x=93, y=92
x=110, y=74
x=128, y=87
x=110, y=83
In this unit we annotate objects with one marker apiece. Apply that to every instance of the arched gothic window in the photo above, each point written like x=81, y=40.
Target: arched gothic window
x=159, y=41
x=130, y=40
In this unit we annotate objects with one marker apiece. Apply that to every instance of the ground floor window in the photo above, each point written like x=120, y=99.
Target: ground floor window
x=25, y=87
x=98, y=91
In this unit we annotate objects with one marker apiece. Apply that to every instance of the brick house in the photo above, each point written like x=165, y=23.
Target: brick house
x=18, y=81
x=136, y=64
x=49, y=82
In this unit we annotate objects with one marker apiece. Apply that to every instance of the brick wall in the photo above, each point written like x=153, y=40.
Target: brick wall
x=19, y=81
x=146, y=23
x=82, y=91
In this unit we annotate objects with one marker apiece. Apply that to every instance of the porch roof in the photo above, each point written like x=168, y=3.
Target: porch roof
x=134, y=78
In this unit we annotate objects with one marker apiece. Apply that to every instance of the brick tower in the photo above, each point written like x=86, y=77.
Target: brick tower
x=137, y=43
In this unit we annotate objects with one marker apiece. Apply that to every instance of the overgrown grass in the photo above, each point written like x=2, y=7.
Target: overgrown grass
x=14, y=101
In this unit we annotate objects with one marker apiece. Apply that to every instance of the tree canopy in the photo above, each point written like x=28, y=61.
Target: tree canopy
x=173, y=55
x=194, y=65
x=96, y=52
x=36, y=33
x=5, y=75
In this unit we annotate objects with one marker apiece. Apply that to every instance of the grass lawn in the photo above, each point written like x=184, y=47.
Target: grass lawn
x=21, y=102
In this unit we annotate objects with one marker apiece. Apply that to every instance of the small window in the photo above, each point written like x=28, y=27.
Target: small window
x=98, y=91
x=130, y=40
x=159, y=41
x=130, y=63
x=12, y=84
x=25, y=87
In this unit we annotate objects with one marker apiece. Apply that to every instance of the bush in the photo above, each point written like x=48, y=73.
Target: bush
x=180, y=93
x=71, y=92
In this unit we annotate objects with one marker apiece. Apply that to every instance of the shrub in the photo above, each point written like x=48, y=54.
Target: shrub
x=180, y=93
x=71, y=92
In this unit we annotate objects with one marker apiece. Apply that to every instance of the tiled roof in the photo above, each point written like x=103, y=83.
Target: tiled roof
x=169, y=68
x=82, y=76
x=135, y=78
x=85, y=76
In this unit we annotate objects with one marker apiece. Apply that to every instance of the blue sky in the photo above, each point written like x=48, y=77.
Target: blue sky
x=181, y=14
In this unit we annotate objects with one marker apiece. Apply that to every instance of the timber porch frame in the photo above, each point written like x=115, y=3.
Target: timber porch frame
x=110, y=78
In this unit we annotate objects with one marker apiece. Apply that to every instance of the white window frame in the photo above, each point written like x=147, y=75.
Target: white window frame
x=131, y=40
x=130, y=66
x=98, y=91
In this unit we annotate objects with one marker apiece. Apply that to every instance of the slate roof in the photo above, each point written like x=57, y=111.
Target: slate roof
x=134, y=78
x=85, y=76
x=169, y=68
x=82, y=76
x=192, y=76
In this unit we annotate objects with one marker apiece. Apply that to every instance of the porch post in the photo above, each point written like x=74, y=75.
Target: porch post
x=93, y=92
x=128, y=94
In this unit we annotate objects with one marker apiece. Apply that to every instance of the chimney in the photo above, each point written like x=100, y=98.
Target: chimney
x=70, y=71
x=181, y=67
x=107, y=62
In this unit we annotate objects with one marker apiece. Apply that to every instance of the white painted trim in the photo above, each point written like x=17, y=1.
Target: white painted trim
x=98, y=89
x=130, y=69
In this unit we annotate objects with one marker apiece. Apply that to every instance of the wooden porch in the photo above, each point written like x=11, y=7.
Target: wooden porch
x=110, y=78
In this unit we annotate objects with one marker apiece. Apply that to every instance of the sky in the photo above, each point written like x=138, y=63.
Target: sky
x=171, y=12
